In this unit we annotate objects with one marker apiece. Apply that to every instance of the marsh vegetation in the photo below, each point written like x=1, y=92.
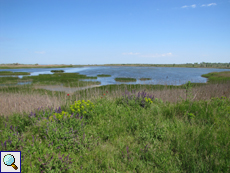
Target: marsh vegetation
x=65, y=79
x=122, y=128
x=143, y=79
x=57, y=71
x=13, y=73
x=103, y=75
x=125, y=79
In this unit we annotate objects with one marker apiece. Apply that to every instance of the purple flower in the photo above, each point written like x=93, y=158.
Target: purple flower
x=5, y=144
x=59, y=110
x=67, y=158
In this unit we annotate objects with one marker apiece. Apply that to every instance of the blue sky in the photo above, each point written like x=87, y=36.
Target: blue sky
x=114, y=31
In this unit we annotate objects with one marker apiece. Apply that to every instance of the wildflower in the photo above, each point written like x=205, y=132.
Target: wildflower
x=67, y=94
x=101, y=97
x=107, y=91
x=104, y=94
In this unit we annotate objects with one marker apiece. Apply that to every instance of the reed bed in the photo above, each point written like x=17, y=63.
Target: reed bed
x=20, y=102
x=24, y=103
x=170, y=94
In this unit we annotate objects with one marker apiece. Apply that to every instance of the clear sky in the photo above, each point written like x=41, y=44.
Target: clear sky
x=114, y=31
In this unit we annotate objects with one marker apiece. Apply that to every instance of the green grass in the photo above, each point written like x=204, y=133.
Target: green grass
x=115, y=137
x=13, y=73
x=7, y=80
x=217, y=77
x=103, y=75
x=125, y=79
x=12, y=80
x=67, y=79
x=143, y=79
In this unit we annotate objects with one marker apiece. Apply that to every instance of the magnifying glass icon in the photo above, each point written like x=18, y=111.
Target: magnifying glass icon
x=9, y=160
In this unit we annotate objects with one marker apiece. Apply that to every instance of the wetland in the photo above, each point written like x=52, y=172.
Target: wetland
x=117, y=126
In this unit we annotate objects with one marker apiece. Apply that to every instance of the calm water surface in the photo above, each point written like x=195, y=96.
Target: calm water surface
x=158, y=75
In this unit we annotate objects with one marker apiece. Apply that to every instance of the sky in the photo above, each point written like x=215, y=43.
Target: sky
x=114, y=31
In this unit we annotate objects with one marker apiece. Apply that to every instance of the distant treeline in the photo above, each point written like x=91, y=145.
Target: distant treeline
x=191, y=65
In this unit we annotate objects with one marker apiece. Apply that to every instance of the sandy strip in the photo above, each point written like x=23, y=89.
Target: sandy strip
x=62, y=88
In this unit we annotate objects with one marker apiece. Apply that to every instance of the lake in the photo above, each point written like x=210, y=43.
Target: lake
x=158, y=75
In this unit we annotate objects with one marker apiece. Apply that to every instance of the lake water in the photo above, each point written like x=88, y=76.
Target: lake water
x=158, y=75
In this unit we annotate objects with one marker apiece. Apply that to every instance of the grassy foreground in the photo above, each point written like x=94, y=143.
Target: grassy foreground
x=132, y=133
x=121, y=129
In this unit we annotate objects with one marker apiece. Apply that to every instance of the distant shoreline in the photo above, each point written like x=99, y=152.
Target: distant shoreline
x=188, y=65
x=19, y=66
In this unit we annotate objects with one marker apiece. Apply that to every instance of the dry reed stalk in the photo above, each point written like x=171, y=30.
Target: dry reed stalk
x=19, y=102
x=212, y=90
x=205, y=92
x=25, y=103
